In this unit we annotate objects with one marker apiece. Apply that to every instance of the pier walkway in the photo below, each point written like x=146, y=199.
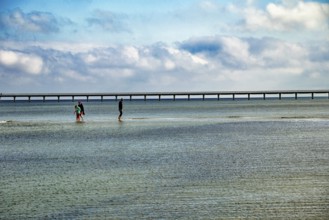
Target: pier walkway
x=166, y=95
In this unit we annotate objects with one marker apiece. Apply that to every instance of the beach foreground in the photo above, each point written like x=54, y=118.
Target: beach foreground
x=168, y=160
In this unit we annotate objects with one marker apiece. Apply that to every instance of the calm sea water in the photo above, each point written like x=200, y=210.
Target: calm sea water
x=166, y=160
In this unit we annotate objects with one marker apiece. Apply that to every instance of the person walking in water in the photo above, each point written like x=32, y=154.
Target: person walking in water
x=120, y=109
x=77, y=112
x=82, y=109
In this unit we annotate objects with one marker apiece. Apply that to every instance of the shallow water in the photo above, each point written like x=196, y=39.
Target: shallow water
x=166, y=160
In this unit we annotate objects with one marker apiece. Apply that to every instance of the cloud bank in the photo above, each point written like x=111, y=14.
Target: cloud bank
x=203, y=63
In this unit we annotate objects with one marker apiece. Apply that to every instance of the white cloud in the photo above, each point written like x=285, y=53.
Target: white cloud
x=17, y=61
x=108, y=21
x=237, y=49
x=281, y=55
x=169, y=65
x=72, y=74
x=89, y=58
x=309, y=15
x=199, y=60
x=286, y=17
x=34, y=22
x=131, y=54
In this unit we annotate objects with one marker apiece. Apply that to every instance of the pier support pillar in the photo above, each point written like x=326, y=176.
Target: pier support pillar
x=188, y=97
x=218, y=97
x=101, y=98
x=203, y=97
x=248, y=96
x=296, y=95
x=159, y=97
x=233, y=96
x=58, y=98
x=44, y=98
x=130, y=97
x=312, y=95
x=279, y=96
x=29, y=98
x=87, y=98
x=144, y=97
x=264, y=96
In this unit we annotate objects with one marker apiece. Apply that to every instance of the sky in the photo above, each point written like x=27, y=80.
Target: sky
x=163, y=45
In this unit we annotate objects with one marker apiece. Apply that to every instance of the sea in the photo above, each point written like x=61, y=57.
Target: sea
x=226, y=159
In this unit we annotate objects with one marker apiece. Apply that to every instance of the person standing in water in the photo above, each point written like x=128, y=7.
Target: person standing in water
x=120, y=109
x=77, y=112
x=82, y=109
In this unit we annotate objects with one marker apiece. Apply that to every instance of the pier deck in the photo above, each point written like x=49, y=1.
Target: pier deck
x=160, y=95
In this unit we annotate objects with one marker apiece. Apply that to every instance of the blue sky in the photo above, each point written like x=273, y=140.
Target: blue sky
x=168, y=45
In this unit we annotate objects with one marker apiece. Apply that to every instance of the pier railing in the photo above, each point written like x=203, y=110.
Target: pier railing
x=165, y=95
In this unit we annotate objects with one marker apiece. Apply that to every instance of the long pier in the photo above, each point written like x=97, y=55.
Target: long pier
x=167, y=95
